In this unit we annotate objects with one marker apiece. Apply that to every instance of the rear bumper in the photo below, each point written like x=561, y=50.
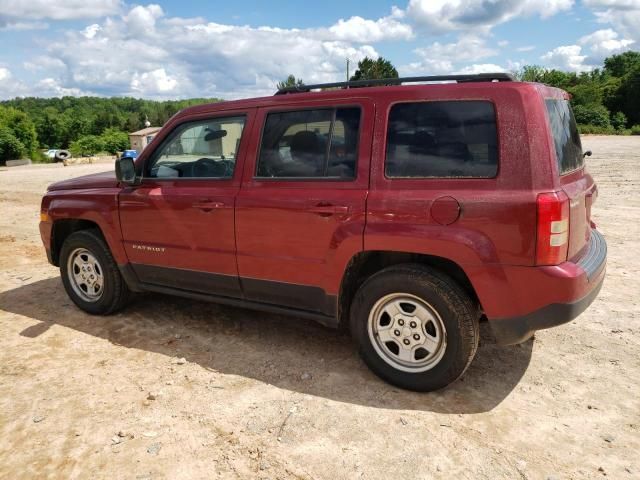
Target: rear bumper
x=580, y=282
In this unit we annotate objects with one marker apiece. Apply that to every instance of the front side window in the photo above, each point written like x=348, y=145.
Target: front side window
x=200, y=149
x=443, y=139
x=310, y=144
x=566, y=138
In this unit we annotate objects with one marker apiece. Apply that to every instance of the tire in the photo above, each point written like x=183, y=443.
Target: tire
x=410, y=303
x=86, y=246
x=62, y=155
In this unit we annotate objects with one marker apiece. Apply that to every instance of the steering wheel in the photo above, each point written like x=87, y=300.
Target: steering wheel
x=207, y=167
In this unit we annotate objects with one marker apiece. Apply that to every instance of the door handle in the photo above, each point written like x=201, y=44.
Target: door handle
x=328, y=209
x=208, y=206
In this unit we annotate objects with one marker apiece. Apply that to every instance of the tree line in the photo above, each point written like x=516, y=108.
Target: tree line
x=605, y=100
x=86, y=125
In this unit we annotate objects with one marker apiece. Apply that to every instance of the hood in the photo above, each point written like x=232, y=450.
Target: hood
x=95, y=180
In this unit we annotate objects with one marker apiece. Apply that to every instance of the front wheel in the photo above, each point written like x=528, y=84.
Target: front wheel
x=415, y=328
x=90, y=275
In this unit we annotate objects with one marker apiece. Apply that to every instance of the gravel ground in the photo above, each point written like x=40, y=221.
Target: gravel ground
x=172, y=388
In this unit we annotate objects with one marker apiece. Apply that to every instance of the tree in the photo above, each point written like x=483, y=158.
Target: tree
x=629, y=95
x=22, y=128
x=114, y=140
x=596, y=115
x=619, y=121
x=87, y=145
x=369, y=69
x=10, y=147
x=291, y=81
x=622, y=64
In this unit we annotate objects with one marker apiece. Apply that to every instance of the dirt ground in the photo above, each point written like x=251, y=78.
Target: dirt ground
x=265, y=396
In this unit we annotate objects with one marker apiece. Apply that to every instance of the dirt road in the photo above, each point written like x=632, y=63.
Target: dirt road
x=264, y=396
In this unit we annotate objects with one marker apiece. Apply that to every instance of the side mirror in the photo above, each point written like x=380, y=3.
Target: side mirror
x=126, y=170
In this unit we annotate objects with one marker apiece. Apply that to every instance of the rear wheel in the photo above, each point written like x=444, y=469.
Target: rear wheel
x=415, y=328
x=90, y=275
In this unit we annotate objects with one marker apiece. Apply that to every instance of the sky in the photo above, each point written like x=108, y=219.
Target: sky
x=242, y=48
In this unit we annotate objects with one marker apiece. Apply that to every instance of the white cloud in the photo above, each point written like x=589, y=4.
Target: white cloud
x=9, y=86
x=156, y=82
x=16, y=12
x=623, y=15
x=567, y=57
x=481, y=68
x=21, y=26
x=91, y=30
x=358, y=29
x=503, y=43
x=143, y=19
x=616, y=4
x=446, y=15
x=144, y=53
x=441, y=58
x=604, y=43
x=526, y=48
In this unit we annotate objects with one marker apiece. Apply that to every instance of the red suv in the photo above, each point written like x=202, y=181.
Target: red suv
x=407, y=212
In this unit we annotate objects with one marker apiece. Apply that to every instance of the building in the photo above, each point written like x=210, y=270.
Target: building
x=140, y=139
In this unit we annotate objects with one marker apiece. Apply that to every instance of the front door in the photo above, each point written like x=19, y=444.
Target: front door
x=178, y=225
x=300, y=213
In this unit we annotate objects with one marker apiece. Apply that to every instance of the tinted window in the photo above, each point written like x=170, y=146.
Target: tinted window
x=202, y=149
x=565, y=135
x=309, y=144
x=442, y=139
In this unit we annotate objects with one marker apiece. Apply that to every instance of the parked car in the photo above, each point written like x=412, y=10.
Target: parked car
x=405, y=212
x=129, y=153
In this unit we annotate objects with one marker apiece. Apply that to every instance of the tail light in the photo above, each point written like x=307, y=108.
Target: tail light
x=553, y=228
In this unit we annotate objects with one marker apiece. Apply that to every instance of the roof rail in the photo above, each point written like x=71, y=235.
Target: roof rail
x=478, y=77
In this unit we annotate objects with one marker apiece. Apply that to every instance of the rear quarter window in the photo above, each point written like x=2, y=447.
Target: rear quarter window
x=566, y=138
x=442, y=139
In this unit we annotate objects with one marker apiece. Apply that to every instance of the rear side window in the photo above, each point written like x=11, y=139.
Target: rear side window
x=442, y=139
x=310, y=144
x=565, y=135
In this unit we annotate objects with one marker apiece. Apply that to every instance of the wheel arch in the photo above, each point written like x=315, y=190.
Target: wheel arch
x=364, y=264
x=61, y=230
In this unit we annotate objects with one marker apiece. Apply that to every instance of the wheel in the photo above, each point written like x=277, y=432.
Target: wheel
x=90, y=275
x=415, y=328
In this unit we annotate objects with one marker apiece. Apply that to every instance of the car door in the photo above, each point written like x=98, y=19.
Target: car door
x=178, y=224
x=300, y=213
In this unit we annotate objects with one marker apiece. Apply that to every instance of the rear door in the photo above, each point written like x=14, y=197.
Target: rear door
x=178, y=225
x=300, y=214
x=576, y=183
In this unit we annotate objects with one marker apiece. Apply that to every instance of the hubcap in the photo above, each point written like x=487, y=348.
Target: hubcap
x=85, y=275
x=407, y=332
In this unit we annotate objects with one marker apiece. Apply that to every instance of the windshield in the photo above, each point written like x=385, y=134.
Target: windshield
x=565, y=135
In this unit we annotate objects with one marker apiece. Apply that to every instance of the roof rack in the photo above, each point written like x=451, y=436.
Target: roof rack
x=478, y=77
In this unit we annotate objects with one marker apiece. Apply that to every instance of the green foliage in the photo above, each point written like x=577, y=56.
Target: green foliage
x=291, y=81
x=596, y=130
x=60, y=121
x=114, y=141
x=595, y=115
x=10, y=147
x=17, y=124
x=369, y=69
x=619, y=121
x=635, y=130
x=622, y=64
x=87, y=145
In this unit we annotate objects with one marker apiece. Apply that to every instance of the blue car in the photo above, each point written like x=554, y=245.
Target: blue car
x=130, y=153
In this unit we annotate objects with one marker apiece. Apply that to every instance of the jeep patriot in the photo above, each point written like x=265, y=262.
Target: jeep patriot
x=404, y=209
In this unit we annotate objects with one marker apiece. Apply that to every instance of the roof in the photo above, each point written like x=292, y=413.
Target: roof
x=461, y=85
x=146, y=131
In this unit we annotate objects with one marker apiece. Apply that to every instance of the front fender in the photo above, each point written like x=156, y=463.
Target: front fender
x=99, y=206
